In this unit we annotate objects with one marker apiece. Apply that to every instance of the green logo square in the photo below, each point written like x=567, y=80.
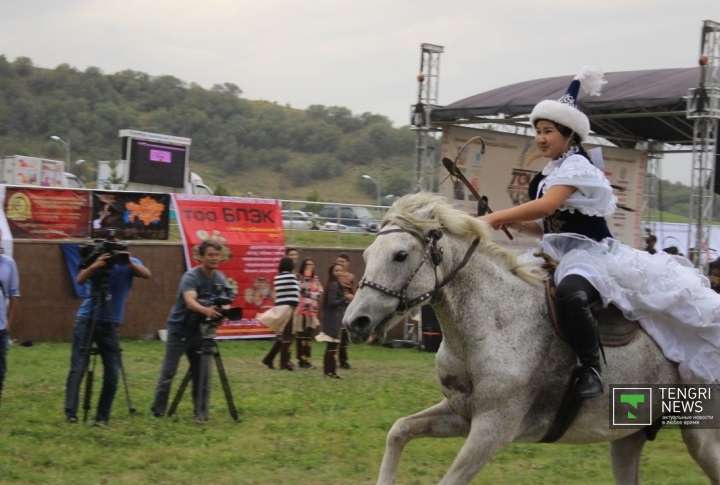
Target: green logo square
x=632, y=406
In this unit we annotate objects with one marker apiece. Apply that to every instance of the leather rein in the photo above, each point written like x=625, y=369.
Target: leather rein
x=432, y=253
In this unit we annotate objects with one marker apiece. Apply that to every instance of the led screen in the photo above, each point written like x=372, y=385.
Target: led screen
x=157, y=163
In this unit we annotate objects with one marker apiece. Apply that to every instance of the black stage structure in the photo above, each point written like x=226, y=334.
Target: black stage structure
x=635, y=106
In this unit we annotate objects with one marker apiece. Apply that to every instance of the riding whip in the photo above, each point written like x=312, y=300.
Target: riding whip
x=451, y=166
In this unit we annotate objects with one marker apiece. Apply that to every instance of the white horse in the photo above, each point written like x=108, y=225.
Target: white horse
x=502, y=369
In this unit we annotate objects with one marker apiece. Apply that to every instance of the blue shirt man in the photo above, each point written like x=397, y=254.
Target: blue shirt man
x=108, y=280
x=10, y=288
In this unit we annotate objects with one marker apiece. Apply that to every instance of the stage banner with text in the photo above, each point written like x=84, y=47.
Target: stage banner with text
x=503, y=174
x=43, y=213
x=138, y=215
x=251, y=234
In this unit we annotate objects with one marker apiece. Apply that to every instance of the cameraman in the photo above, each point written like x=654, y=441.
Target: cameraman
x=184, y=336
x=120, y=268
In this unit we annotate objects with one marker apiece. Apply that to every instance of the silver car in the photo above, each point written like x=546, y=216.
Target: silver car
x=297, y=220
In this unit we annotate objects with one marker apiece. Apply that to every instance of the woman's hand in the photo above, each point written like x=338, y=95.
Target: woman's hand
x=491, y=220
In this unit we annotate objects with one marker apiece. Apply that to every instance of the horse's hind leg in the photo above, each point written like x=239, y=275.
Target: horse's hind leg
x=625, y=455
x=704, y=447
x=438, y=421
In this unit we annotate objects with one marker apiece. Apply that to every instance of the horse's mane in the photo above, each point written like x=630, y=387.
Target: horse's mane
x=424, y=211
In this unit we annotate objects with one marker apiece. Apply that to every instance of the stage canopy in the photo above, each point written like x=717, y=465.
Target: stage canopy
x=634, y=106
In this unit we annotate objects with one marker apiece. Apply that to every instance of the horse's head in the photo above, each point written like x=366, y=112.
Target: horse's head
x=399, y=272
x=405, y=266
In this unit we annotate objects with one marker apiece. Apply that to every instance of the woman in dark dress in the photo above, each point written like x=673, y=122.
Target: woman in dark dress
x=331, y=327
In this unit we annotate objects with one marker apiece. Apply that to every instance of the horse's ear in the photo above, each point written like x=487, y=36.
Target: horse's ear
x=426, y=212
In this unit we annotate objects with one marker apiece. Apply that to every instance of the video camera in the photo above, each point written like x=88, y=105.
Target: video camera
x=91, y=252
x=220, y=297
x=232, y=313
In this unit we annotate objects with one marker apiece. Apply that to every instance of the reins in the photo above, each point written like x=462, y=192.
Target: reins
x=435, y=256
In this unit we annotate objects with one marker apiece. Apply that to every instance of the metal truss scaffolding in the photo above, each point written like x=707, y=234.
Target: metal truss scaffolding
x=651, y=188
x=427, y=100
x=703, y=108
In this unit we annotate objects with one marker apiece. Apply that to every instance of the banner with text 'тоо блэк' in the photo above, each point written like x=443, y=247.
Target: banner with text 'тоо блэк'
x=251, y=234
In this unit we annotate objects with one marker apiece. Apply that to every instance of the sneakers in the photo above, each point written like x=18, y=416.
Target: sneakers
x=71, y=419
x=345, y=365
x=268, y=363
x=305, y=365
x=101, y=425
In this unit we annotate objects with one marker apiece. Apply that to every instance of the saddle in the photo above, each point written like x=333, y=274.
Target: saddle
x=615, y=330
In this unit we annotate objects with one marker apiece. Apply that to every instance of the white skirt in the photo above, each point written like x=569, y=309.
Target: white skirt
x=670, y=299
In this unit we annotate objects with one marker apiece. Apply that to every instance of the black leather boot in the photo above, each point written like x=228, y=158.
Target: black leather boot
x=268, y=359
x=579, y=326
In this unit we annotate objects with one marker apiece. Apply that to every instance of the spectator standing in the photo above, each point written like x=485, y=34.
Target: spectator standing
x=293, y=254
x=306, y=317
x=349, y=288
x=335, y=300
x=280, y=316
x=10, y=287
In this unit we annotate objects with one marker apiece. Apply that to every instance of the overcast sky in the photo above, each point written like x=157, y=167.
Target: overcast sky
x=361, y=54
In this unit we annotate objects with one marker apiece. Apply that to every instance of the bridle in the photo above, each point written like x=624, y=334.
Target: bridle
x=432, y=253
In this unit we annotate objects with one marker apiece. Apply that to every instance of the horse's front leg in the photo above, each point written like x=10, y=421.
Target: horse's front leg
x=438, y=421
x=489, y=432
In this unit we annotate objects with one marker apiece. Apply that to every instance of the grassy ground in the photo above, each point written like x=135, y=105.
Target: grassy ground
x=297, y=428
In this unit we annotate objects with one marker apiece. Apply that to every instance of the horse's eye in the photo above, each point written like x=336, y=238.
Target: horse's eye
x=400, y=256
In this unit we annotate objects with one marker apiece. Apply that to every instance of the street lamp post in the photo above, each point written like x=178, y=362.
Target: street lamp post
x=66, y=144
x=377, y=186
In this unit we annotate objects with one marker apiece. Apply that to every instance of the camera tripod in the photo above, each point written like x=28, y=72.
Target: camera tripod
x=208, y=350
x=89, y=351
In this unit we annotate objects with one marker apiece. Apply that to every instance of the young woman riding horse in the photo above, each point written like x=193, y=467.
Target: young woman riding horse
x=570, y=199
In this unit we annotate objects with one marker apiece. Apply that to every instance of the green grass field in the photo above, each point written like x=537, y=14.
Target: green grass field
x=298, y=428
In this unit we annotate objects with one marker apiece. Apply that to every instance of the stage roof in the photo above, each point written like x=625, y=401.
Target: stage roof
x=634, y=105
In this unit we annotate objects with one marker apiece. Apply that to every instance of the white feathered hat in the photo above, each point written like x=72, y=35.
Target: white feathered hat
x=564, y=111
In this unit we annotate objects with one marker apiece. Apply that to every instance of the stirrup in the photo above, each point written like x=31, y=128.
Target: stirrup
x=591, y=385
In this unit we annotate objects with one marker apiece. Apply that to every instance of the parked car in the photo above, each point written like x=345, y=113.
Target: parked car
x=297, y=220
x=356, y=218
x=331, y=226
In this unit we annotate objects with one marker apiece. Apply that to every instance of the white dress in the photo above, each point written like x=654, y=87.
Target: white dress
x=672, y=301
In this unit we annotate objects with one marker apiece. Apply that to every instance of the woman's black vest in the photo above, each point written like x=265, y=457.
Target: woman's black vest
x=594, y=227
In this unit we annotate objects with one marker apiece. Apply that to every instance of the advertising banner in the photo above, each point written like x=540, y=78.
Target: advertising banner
x=138, y=215
x=253, y=242
x=52, y=173
x=38, y=213
x=26, y=170
x=503, y=174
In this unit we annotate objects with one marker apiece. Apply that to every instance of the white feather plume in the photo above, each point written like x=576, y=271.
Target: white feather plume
x=591, y=80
